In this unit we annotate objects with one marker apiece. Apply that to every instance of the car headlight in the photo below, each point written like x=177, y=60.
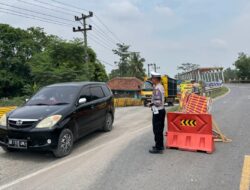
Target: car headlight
x=49, y=122
x=3, y=120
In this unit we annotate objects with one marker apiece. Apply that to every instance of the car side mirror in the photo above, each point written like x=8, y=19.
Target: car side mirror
x=82, y=100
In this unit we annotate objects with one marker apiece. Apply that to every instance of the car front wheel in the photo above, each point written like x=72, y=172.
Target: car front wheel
x=65, y=144
x=108, y=126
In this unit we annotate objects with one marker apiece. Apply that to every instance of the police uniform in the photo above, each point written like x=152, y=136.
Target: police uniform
x=159, y=114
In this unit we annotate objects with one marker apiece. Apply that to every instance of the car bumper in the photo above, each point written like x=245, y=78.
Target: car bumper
x=36, y=140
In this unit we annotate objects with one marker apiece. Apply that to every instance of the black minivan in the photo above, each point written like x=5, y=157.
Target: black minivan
x=56, y=116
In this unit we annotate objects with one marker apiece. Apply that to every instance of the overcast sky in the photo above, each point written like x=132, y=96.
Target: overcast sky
x=166, y=32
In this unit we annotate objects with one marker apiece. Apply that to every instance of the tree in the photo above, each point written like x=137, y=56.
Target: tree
x=130, y=63
x=185, y=67
x=230, y=74
x=99, y=72
x=242, y=65
x=123, y=64
x=30, y=59
x=136, y=66
x=15, y=50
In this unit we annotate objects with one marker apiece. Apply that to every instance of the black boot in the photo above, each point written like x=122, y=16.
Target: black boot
x=154, y=147
x=155, y=151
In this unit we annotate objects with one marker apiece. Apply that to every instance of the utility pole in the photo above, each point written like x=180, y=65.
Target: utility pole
x=84, y=30
x=149, y=67
x=154, y=68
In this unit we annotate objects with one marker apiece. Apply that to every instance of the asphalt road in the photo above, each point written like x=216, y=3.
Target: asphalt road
x=120, y=160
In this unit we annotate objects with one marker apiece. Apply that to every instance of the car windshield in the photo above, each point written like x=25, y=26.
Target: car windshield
x=56, y=95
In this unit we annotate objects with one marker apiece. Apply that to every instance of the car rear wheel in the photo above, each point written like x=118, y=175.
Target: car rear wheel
x=65, y=144
x=108, y=123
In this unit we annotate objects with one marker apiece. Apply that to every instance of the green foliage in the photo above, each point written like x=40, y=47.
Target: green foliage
x=185, y=67
x=136, y=66
x=30, y=89
x=230, y=74
x=218, y=92
x=242, y=65
x=30, y=59
x=122, y=52
x=130, y=63
x=17, y=101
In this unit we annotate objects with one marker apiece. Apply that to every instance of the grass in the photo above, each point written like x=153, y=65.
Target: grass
x=173, y=109
x=17, y=101
x=218, y=92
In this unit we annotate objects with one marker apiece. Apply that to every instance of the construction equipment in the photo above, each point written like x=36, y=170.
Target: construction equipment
x=169, y=84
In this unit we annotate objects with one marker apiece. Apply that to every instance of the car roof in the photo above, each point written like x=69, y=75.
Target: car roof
x=77, y=84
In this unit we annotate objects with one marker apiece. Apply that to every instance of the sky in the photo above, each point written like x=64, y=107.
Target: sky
x=165, y=32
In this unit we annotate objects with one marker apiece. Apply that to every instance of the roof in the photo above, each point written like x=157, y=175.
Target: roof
x=78, y=84
x=125, y=83
x=203, y=69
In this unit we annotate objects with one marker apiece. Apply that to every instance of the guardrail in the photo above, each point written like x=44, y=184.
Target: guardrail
x=6, y=109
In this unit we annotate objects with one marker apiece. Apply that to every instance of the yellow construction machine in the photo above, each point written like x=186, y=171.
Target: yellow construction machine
x=169, y=84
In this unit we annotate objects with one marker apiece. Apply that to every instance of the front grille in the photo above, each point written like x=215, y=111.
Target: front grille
x=21, y=123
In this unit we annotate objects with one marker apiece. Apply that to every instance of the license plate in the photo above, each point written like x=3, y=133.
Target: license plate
x=16, y=143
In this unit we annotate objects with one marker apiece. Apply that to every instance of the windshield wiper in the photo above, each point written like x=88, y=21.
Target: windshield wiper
x=39, y=104
x=60, y=103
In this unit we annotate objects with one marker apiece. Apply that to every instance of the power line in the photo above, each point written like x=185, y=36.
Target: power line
x=106, y=63
x=74, y=12
x=28, y=10
x=107, y=28
x=69, y=5
x=43, y=7
x=100, y=39
x=45, y=19
x=34, y=16
x=102, y=32
x=29, y=17
x=99, y=29
x=100, y=44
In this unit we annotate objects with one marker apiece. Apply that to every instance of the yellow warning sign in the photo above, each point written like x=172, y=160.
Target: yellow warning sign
x=188, y=122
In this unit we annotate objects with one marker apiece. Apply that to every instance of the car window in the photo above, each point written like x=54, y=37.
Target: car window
x=85, y=93
x=96, y=93
x=106, y=90
x=54, y=95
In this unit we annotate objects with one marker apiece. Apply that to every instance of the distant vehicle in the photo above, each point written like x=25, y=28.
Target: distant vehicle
x=170, y=86
x=58, y=115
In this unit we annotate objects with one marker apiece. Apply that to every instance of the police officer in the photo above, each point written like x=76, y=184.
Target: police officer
x=158, y=110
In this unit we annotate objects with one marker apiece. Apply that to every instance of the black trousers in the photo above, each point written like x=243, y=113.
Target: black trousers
x=158, y=127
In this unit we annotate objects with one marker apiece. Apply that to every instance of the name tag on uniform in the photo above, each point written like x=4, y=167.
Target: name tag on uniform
x=155, y=110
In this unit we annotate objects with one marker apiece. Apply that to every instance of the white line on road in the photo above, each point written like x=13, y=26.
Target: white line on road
x=135, y=132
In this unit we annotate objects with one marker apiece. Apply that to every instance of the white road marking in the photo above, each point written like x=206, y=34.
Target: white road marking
x=135, y=132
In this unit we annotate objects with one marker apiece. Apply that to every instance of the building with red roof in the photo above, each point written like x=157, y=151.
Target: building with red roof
x=125, y=86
